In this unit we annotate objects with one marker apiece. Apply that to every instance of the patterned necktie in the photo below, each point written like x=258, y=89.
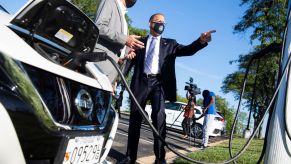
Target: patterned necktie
x=149, y=57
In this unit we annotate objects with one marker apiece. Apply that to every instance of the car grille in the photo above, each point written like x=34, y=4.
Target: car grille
x=70, y=102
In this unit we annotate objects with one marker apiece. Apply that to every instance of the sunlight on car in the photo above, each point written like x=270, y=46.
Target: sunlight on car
x=174, y=112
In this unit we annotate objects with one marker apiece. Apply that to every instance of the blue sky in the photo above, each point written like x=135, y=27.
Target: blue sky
x=186, y=20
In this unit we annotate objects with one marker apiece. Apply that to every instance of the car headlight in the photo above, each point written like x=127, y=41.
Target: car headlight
x=102, y=104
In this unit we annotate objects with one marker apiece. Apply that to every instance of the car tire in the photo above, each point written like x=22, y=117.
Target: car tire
x=197, y=131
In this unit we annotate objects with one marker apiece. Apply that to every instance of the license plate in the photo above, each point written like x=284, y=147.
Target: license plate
x=85, y=150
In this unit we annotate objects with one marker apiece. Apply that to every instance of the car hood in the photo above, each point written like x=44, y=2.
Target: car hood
x=4, y=17
x=32, y=19
x=72, y=29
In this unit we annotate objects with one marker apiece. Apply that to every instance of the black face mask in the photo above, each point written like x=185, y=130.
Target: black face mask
x=159, y=28
x=130, y=3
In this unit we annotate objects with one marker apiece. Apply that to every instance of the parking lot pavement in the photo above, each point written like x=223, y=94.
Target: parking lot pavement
x=145, y=150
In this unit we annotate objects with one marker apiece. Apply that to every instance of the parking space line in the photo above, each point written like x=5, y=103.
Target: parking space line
x=124, y=134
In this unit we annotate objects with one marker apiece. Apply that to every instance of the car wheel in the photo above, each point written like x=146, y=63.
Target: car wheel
x=196, y=130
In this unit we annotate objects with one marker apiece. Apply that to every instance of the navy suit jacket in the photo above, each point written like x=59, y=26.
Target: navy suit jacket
x=169, y=50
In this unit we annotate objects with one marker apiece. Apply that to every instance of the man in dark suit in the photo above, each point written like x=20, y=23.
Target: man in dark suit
x=154, y=79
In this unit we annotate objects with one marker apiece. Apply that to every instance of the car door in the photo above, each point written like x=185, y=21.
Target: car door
x=198, y=113
x=179, y=116
x=171, y=110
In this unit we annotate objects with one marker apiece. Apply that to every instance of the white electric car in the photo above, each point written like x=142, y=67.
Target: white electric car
x=175, y=115
x=59, y=107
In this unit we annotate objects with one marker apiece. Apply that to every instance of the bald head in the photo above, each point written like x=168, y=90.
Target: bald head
x=156, y=15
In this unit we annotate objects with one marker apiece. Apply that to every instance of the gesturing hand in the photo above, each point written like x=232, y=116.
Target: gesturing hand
x=131, y=54
x=133, y=42
x=206, y=36
x=204, y=110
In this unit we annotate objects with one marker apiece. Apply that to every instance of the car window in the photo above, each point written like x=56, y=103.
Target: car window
x=183, y=107
x=89, y=7
x=172, y=106
x=197, y=111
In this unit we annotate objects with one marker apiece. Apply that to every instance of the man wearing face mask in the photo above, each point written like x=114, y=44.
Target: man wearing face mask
x=113, y=34
x=154, y=79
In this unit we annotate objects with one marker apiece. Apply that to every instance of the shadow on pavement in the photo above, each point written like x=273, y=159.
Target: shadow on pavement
x=115, y=156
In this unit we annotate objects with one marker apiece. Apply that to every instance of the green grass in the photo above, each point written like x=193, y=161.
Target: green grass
x=220, y=153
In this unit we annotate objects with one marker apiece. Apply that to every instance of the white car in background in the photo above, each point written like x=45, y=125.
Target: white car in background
x=175, y=115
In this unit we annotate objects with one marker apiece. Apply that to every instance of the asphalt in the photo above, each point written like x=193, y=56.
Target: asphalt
x=145, y=151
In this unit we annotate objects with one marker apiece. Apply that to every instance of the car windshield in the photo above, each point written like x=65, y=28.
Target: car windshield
x=89, y=7
x=172, y=106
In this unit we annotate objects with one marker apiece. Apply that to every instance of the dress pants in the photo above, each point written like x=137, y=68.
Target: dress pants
x=151, y=89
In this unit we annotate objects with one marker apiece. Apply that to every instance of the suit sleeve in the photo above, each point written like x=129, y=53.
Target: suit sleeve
x=130, y=63
x=103, y=18
x=188, y=50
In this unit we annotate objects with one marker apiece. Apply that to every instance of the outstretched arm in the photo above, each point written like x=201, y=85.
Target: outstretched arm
x=195, y=46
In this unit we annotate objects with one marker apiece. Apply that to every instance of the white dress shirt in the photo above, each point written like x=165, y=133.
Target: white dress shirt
x=125, y=26
x=154, y=66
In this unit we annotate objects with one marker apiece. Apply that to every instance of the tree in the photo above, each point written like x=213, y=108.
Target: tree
x=267, y=20
x=182, y=99
x=223, y=106
x=199, y=102
x=134, y=30
x=89, y=7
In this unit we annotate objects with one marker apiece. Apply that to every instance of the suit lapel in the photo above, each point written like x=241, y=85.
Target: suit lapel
x=162, y=53
x=143, y=51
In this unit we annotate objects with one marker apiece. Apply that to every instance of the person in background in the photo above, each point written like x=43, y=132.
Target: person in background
x=210, y=112
x=113, y=35
x=189, y=112
x=154, y=79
